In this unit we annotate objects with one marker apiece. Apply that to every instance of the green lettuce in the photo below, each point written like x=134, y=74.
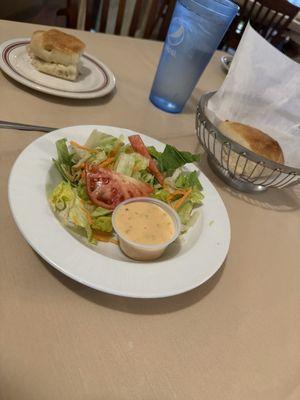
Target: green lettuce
x=62, y=197
x=171, y=158
x=102, y=141
x=78, y=215
x=64, y=160
x=100, y=212
x=187, y=215
x=161, y=194
x=101, y=219
x=98, y=157
x=144, y=176
x=65, y=201
x=188, y=179
x=185, y=212
x=128, y=164
x=103, y=223
x=64, y=157
x=154, y=153
x=196, y=197
x=82, y=193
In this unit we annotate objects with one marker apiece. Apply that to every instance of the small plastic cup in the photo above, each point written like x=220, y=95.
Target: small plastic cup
x=146, y=252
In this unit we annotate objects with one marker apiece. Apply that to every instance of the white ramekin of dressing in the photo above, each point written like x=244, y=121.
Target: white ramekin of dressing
x=145, y=227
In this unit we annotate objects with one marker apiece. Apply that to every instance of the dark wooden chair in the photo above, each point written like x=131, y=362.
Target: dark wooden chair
x=270, y=18
x=97, y=14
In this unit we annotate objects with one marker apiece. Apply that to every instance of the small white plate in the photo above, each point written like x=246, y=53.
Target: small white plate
x=186, y=264
x=96, y=79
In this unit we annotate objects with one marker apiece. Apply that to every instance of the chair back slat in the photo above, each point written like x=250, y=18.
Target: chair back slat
x=276, y=28
x=265, y=30
x=135, y=18
x=265, y=17
x=120, y=16
x=251, y=10
x=281, y=6
x=166, y=20
x=155, y=11
x=243, y=8
x=104, y=15
x=269, y=17
x=259, y=10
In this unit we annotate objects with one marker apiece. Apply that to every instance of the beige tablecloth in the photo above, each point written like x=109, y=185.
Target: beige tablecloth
x=235, y=337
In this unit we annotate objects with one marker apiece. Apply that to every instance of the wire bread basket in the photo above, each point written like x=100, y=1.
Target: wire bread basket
x=237, y=166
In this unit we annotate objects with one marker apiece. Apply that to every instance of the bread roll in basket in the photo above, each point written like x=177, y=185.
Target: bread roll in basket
x=254, y=140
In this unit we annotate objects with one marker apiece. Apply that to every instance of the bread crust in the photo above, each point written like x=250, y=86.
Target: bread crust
x=253, y=139
x=58, y=40
x=56, y=46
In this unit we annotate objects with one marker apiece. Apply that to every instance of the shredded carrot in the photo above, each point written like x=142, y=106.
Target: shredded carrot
x=74, y=220
x=182, y=199
x=88, y=215
x=104, y=237
x=115, y=149
x=175, y=193
x=106, y=162
x=79, y=146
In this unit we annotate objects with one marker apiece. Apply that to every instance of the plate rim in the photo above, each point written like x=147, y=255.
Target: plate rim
x=53, y=91
x=55, y=264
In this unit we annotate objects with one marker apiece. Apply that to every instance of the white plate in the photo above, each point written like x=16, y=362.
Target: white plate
x=187, y=263
x=96, y=79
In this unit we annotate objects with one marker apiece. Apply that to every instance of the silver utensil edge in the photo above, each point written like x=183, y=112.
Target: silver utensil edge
x=25, y=127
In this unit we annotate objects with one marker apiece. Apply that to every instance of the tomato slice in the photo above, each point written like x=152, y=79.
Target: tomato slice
x=139, y=146
x=107, y=188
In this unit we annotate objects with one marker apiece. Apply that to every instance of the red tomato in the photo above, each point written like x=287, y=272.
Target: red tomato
x=139, y=146
x=107, y=188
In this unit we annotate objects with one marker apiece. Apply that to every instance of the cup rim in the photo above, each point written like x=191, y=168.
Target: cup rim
x=229, y=5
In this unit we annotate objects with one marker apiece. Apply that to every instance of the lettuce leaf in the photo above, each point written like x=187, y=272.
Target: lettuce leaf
x=98, y=157
x=102, y=141
x=82, y=193
x=196, y=197
x=128, y=164
x=64, y=157
x=188, y=179
x=78, y=215
x=185, y=212
x=171, y=158
x=144, y=176
x=187, y=216
x=161, y=194
x=154, y=153
x=64, y=160
x=65, y=201
x=62, y=197
x=103, y=223
x=100, y=212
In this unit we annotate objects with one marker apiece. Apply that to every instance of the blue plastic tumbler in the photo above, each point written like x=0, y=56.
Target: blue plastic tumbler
x=196, y=29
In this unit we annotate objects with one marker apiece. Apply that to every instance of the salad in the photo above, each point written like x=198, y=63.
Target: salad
x=103, y=172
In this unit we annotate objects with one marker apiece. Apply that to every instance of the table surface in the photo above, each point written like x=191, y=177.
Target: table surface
x=235, y=337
